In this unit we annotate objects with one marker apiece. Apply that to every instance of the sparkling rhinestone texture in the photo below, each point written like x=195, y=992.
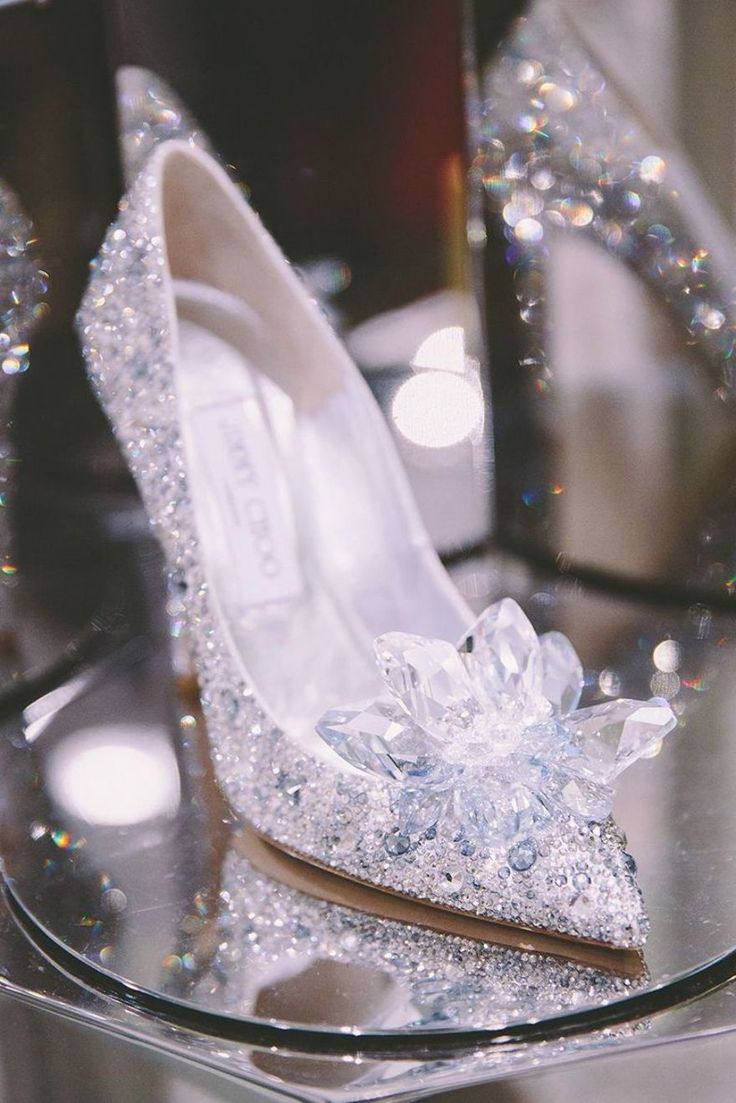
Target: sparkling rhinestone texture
x=484, y=744
x=580, y=882
x=150, y=112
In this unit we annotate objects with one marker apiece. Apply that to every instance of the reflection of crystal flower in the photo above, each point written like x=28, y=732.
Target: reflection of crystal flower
x=485, y=741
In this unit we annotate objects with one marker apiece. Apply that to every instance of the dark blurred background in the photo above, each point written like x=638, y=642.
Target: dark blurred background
x=344, y=121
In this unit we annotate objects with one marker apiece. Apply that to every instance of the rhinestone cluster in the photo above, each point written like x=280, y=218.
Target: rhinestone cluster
x=581, y=883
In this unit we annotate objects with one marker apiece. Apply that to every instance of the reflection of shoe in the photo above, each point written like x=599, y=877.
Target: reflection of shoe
x=588, y=210
x=269, y=475
x=23, y=285
x=390, y=973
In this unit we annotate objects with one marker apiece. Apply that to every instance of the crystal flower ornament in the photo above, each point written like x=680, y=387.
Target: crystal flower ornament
x=485, y=742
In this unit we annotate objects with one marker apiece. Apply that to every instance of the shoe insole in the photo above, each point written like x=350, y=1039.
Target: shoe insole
x=309, y=552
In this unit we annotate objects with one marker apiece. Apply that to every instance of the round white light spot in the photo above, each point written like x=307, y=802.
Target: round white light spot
x=115, y=775
x=443, y=350
x=437, y=409
x=667, y=656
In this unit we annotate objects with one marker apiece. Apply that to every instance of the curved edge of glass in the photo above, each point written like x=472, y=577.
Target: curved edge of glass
x=686, y=987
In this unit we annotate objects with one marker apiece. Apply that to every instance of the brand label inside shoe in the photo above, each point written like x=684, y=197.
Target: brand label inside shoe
x=248, y=504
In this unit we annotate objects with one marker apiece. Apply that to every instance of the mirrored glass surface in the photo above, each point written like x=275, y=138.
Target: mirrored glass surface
x=117, y=844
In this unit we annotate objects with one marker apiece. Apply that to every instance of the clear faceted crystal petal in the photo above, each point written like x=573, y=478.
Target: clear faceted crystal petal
x=562, y=672
x=501, y=810
x=421, y=808
x=505, y=652
x=429, y=680
x=547, y=742
x=586, y=798
x=380, y=738
x=613, y=735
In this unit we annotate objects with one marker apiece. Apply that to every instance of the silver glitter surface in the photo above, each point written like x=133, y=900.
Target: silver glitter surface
x=309, y=806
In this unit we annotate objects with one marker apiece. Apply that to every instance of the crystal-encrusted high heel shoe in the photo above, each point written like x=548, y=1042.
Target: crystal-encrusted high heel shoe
x=470, y=781
x=579, y=187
